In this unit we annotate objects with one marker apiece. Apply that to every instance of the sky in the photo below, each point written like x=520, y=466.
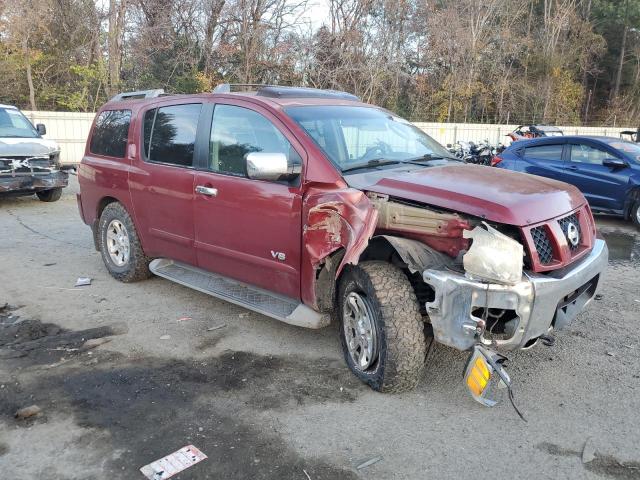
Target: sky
x=316, y=14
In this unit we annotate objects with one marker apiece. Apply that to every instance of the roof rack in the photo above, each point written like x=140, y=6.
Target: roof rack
x=138, y=95
x=234, y=87
x=277, y=91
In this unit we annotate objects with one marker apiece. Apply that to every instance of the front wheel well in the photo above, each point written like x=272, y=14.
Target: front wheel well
x=632, y=197
x=381, y=248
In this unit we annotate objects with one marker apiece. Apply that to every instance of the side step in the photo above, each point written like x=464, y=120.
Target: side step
x=267, y=303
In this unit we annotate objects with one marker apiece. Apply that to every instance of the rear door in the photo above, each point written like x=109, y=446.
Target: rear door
x=162, y=180
x=246, y=229
x=604, y=187
x=543, y=159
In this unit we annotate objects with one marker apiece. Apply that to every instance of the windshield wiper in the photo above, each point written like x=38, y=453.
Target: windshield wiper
x=376, y=162
x=429, y=156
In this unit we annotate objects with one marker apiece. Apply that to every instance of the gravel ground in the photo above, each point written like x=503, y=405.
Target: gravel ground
x=265, y=400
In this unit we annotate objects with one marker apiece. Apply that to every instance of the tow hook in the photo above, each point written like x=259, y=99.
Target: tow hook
x=481, y=367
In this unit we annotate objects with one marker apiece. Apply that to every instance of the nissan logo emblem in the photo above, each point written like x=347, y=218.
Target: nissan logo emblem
x=573, y=235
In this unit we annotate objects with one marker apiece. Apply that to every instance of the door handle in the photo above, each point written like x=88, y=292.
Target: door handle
x=209, y=191
x=572, y=167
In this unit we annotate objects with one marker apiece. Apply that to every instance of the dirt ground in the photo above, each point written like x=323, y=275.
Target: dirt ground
x=264, y=400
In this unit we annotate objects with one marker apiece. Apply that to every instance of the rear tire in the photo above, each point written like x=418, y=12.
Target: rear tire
x=120, y=246
x=52, y=195
x=387, y=349
x=635, y=214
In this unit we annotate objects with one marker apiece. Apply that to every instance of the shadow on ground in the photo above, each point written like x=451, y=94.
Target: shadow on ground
x=151, y=407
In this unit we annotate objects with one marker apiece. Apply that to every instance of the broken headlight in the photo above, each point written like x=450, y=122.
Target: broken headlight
x=54, y=158
x=493, y=256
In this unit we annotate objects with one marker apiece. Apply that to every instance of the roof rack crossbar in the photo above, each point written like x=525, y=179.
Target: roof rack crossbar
x=230, y=87
x=138, y=94
x=278, y=91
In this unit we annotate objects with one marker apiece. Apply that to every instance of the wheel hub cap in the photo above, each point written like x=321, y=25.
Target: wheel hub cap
x=118, y=243
x=360, y=331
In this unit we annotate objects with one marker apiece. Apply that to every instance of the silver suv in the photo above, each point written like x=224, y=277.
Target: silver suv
x=29, y=163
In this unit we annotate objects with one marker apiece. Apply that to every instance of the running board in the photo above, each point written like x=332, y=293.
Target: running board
x=267, y=303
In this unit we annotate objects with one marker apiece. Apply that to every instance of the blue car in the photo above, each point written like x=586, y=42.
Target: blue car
x=605, y=169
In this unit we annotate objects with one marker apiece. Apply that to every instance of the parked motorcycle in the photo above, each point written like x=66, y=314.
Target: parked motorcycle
x=477, y=154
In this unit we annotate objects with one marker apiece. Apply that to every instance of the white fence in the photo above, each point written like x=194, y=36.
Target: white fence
x=70, y=130
x=449, y=133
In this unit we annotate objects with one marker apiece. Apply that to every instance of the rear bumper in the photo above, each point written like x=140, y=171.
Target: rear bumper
x=33, y=183
x=539, y=302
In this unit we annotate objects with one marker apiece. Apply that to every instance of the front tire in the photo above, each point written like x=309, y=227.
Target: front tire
x=51, y=195
x=635, y=214
x=381, y=329
x=120, y=246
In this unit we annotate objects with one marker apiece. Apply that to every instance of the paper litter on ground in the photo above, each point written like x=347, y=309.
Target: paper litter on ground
x=174, y=463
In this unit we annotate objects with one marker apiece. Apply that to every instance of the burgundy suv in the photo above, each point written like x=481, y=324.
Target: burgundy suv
x=310, y=206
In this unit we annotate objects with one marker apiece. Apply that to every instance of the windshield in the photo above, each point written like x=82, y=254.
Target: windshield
x=628, y=148
x=355, y=137
x=14, y=124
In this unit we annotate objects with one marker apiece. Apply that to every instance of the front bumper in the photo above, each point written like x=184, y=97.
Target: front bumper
x=538, y=303
x=27, y=182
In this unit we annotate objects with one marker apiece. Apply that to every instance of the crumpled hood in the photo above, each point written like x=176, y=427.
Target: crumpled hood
x=29, y=147
x=494, y=194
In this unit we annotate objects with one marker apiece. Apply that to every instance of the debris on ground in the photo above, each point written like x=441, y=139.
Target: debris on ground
x=82, y=281
x=173, y=464
x=369, y=462
x=26, y=412
x=588, y=451
x=244, y=315
x=217, y=327
x=94, y=342
x=611, y=354
x=184, y=319
x=165, y=337
x=6, y=317
x=598, y=297
x=305, y=472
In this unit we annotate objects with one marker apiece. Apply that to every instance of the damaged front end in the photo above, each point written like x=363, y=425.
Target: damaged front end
x=25, y=174
x=494, y=304
x=482, y=298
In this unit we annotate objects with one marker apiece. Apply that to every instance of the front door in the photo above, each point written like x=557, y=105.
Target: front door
x=248, y=229
x=162, y=181
x=604, y=187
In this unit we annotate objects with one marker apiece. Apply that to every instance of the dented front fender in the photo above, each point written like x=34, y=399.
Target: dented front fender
x=340, y=219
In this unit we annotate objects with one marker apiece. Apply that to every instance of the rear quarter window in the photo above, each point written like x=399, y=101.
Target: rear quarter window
x=111, y=133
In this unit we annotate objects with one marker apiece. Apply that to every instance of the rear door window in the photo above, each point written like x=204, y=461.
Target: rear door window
x=170, y=134
x=544, y=152
x=111, y=133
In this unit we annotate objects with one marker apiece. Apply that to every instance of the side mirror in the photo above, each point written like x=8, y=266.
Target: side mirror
x=42, y=130
x=270, y=167
x=614, y=163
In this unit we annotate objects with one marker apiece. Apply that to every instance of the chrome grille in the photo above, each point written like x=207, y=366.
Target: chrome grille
x=542, y=244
